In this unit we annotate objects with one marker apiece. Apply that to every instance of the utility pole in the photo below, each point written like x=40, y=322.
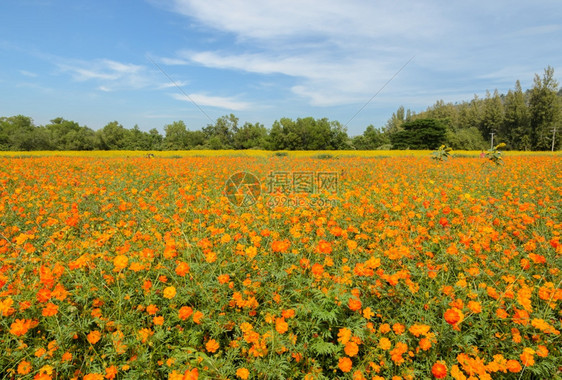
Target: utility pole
x=553, y=136
x=492, y=142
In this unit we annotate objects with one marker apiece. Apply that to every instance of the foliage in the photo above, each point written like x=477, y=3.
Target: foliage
x=442, y=154
x=545, y=110
x=419, y=134
x=495, y=155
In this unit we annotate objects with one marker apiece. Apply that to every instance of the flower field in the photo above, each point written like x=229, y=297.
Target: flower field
x=140, y=268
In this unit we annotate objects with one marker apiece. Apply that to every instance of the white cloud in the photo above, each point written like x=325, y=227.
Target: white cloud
x=337, y=53
x=28, y=74
x=111, y=75
x=214, y=101
x=174, y=84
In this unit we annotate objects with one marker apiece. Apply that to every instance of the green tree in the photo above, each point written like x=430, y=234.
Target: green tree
x=223, y=130
x=20, y=134
x=465, y=139
x=516, y=128
x=155, y=139
x=113, y=136
x=69, y=135
x=195, y=139
x=372, y=138
x=544, y=109
x=175, y=136
x=492, y=117
x=394, y=124
x=420, y=134
x=250, y=136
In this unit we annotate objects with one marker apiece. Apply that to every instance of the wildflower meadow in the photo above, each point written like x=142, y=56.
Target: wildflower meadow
x=414, y=268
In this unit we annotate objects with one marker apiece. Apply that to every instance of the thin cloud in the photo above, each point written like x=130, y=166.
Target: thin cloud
x=338, y=53
x=214, y=101
x=109, y=74
x=28, y=74
x=175, y=84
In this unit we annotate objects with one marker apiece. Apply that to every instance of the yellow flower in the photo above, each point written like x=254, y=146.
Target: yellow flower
x=169, y=292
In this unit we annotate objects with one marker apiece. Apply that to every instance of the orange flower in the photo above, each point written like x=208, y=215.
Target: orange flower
x=281, y=326
x=527, y=357
x=439, y=370
x=94, y=337
x=191, y=374
x=354, y=304
x=398, y=328
x=351, y=349
x=20, y=327
x=384, y=328
x=158, y=321
x=513, y=366
x=501, y=313
x=453, y=316
x=111, y=372
x=145, y=334
x=152, y=309
x=49, y=310
x=384, y=343
x=212, y=346
x=475, y=307
x=425, y=344
x=169, y=292
x=418, y=330
x=242, y=373
x=288, y=313
x=368, y=313
x=24, y=367
x=344, y=335
x=345, y=364
x=223, y=278
x=185, y=312
x=324, y=247
x=542, y=351
x=197, y=316
x=6, y=307
x=120, y=262
x=67, y=356
x=93, y=376
x=317, y=270
x=182, y=269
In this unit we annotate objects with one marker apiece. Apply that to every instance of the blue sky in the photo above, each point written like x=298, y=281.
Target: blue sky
x=92, y=61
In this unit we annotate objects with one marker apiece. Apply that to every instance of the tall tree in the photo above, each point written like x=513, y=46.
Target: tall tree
x=222, y=132
x=544, y=108
x=516, y=128
x=176, y=136
x=250, y=136
x=112, y=137
x=420, y=134
x=372, y=138
x=492, y=117
x=19, y=133
x=394, y=124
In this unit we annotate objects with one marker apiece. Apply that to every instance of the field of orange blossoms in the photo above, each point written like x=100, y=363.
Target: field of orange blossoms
x=140, y=268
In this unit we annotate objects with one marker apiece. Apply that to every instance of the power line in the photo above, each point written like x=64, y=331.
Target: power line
x=369, y=101
x=179, y=88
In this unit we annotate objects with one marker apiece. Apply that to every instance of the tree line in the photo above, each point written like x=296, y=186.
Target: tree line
x=522, y=120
